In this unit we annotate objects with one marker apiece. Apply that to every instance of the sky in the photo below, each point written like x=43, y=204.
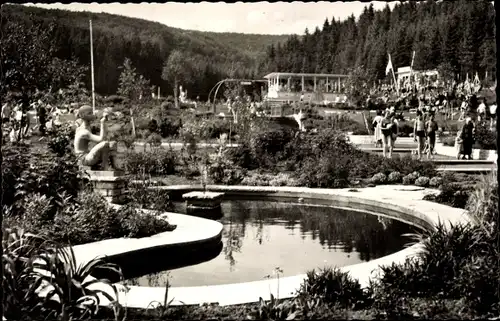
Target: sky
x=255, y=17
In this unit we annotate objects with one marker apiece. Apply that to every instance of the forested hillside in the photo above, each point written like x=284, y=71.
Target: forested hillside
x=147, y=44
x=457, y=37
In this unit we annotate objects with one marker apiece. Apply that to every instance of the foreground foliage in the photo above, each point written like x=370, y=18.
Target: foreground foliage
x=32, y=265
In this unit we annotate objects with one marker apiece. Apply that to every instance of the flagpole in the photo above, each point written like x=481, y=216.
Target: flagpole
x=394, y=76
x=411, y=66
x=92, y=67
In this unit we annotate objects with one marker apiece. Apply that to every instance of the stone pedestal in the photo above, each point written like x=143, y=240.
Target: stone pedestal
x=203, y=200
x=109, y=184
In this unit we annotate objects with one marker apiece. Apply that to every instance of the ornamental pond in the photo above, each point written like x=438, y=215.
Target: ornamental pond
x=260, y=236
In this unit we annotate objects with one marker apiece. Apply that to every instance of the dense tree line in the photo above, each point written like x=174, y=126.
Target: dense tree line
x=456, y=37
x=147, y=44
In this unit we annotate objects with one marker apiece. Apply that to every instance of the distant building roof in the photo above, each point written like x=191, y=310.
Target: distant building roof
x=291, y=74
x=404, y=69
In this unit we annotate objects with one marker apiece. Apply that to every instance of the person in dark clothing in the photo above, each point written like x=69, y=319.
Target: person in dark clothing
x=431, y=128
x=42, y=118
x=468, y=137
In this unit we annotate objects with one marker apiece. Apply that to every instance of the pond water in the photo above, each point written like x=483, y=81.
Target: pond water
x=259, y=236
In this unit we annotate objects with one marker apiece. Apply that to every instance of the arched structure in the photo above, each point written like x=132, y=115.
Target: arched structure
x=233, y=80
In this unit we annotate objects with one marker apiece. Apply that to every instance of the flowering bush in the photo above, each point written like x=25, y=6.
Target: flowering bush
x=408, y=180
x=422, y=181
x=157, y=162
x=394, y=177
x=379, y=178
x=61, y=139
x=435, y=181
x=282, y=179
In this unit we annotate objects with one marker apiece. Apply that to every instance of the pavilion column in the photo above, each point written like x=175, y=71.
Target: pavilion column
x=314, y=83
x=327, y=85
x=289, y=83
x=338, y=89
x=303, y=89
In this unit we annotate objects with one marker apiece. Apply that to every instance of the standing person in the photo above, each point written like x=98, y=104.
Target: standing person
x=463, y=108
x=431, y=127
x=42, y=118
x=481, y=111
x=389, y=132
x=6, y=112
x=419, y=133
x=377, y=133
x=493, y=116
x=468, y=137
x=459, y=144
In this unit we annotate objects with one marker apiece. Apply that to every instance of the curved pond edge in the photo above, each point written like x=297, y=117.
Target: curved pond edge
x=399, y=202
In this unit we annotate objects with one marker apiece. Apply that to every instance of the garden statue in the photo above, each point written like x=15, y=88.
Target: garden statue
x=102, y=154
x=183, y=94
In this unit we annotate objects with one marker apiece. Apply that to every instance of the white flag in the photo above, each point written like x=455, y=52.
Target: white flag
x=389, y=66
x=476, y=80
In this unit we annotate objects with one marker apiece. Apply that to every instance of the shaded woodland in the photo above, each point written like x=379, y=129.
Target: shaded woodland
x=456, y=37
x=148, y=45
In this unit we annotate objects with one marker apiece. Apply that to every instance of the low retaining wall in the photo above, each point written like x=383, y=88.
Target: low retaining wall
x=369, y=139
x=396, y=201
x=399, y=202
x=481, y=154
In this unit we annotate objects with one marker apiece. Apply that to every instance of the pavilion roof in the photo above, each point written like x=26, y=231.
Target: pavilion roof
x=305, y=75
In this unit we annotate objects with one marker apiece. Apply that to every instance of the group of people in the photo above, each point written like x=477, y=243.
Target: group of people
x=386, y=130
x=20, y=122
x=424, y=132
x=425, y=129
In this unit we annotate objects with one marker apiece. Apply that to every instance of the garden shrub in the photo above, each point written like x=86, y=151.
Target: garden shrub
x=408, y=180
x=167, y=105
x=94, y=220
x=436, y=181
x=405, y=165
x=330, y=172
x=224, y=171
x=268, y=146
x=154, y=141
x=115, y=99
x=61, y=139
x=242, y=156
x=144, y=196
x=334, y=287
x=455, y=262
x=170, y=127
x=394, y=177
x=422, y=181
x=281, y=179
x=15, y=160
x=156, y=162
x=50, y=175
x=379, y=178
x=142, y=124
x=484, y=137
x=152, y=125
x=482, y=203
x=454, y=194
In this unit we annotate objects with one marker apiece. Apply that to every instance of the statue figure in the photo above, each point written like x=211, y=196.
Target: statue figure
x=103, y=152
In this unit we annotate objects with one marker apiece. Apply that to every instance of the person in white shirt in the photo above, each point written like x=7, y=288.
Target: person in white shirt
x=463, y=109
x=493, y=116
x=481, y=110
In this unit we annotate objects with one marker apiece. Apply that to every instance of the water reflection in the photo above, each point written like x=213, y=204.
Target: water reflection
x=260, y=235
x=335, y=229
